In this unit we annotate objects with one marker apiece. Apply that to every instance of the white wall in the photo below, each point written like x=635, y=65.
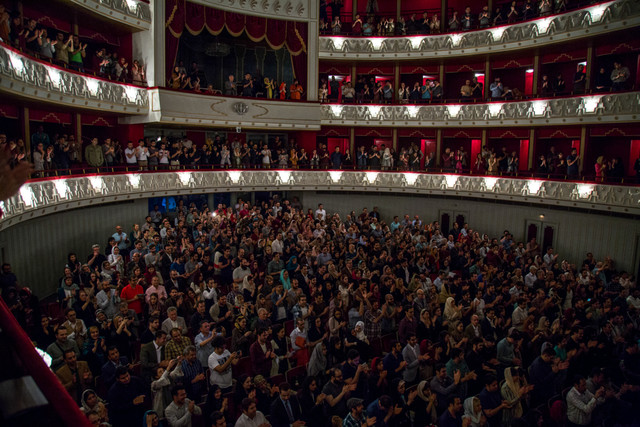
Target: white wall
x=576, y=233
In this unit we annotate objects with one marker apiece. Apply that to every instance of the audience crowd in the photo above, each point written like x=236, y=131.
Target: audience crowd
x=67, y=50
x=372, y=24
x=252, y=86
x=61, y=153
x=276, y=315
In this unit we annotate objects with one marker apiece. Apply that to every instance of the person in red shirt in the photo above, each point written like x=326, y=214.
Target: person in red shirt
x=133, y=294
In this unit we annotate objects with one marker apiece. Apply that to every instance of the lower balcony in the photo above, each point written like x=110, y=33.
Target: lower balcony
x=42, y=197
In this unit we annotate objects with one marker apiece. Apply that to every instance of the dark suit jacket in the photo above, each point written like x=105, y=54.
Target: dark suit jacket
x=149, y=360
x=279, y=417
x=66, y=378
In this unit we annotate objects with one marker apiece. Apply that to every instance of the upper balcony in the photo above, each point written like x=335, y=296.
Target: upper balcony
x=590, y=109
x=295, y=10
x=135, y=14
x=587, y=22
x=42, y=197
x=27, y=78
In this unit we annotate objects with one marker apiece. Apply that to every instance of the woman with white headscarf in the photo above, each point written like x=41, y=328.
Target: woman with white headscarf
x=513, y=390
x=451, y=311
x=473, y=412
x=358, y=340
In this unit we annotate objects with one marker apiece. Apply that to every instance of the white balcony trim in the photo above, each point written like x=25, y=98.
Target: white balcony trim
x=38, y=198
x=587, y=22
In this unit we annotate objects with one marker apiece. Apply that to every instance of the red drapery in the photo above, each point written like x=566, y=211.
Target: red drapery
x=195, y=18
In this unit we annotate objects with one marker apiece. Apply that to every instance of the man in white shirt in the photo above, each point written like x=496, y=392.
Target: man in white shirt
x=320, y=212
x=581, y=402
x=220, y=362
x=251, y=417
x=278, y=245
x=531, y=277
x=179, y=411
x=130, y=154
x=142, y=154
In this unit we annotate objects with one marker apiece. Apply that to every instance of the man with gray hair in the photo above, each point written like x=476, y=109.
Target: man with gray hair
x=174, y=321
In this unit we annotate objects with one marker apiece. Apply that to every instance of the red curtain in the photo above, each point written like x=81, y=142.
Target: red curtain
x=277, y=33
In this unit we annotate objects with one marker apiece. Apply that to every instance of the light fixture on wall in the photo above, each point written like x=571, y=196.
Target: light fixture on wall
x=541, y=216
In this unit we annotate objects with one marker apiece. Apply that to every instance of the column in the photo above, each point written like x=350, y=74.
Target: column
x=536, y=74
x=583, y=148
x=394, y=139
x=76, y=123
x=149, y=46
x=23, y=122
x=485, y=137
x=443, y=16
x=240, y=52
x=354, y=9
x=398, y=9
x=441, y=77
x=396, y=80
x=589, y=69
x=532, y=143
x=313, y=67
x=487, y=78
x=260, y=53
x=352, y=142
x=353, y=75
x=438, y=146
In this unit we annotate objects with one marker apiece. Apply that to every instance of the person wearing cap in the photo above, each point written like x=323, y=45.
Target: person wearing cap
x=356, y=417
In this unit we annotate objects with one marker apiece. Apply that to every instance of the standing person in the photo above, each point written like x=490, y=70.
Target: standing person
x=581, y=402
x=127, y=399
x=220, y=362
x=179, y=411
x=283, y=91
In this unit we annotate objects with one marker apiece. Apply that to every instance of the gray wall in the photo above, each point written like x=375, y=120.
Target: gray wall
x=575, y=235
x=37, y=249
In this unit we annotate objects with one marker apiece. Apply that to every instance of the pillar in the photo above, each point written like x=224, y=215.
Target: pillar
x=583, y=148
x=398, y=9
x=532, y=143
x=438, y=146
x=485, y=138
x=149, y=46
x=589, y=69
x=394, y=139
x=354, y=9
x=443, y=16
x=352, y=142
x=240, y=52
x=25, y=129
x=396, y=80
x=313, y=64
x=353, y=74
x=487, y=77
x=536, y=73
x=441, y=76
x=260, y=53
x=76, y=123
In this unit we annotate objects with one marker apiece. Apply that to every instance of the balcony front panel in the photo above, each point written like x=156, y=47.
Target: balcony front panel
x=43, y=197
x=295, y=10
x=609, y=108
x=133, y=13
x=28, y=78
x=185, y=108
x=595, y=20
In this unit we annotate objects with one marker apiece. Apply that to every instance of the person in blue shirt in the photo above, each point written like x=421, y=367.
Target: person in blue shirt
x=393, y=362
x=382, y=410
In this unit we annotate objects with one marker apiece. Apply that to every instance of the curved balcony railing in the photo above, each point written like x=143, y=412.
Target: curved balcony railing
x=134, y=13
x=43, y=197
x=606, y=108
x=26, y=77
x=590, y=21
x=299, y=10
